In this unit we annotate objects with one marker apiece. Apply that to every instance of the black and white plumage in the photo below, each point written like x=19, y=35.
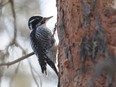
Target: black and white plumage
x=41, y=41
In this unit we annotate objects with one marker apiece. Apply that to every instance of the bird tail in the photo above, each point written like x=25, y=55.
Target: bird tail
x=51, y=64
x=43, y=66
x=42, y=62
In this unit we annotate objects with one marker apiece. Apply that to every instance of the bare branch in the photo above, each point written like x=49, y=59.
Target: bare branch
x=14, y=16
x=17, y=60
x=3, y=4
x=13, y=41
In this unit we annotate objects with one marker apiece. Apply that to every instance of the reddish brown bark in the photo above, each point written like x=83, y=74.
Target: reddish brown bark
x=71, y=29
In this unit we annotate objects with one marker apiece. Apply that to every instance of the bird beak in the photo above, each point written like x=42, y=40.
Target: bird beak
x=47, y=18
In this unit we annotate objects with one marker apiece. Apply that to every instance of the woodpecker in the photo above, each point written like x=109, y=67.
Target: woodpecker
x=41, y=40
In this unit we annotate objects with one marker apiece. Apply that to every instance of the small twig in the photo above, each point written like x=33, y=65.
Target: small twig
x=23, y=50
x=17, y=60
x=14, y=16
x=34, y=75
x=54, y=30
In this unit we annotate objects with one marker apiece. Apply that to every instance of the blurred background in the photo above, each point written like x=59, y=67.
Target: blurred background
x=15, y=43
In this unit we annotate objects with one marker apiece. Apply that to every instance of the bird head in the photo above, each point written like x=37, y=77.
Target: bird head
x=37, y=21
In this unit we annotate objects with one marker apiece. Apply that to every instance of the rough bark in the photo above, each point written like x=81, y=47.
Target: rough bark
x=87, y=38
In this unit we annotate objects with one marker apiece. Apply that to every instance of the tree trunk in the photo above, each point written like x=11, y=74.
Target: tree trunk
x=87, y=42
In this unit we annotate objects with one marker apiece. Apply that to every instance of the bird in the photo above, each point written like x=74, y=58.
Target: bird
x=41, y=40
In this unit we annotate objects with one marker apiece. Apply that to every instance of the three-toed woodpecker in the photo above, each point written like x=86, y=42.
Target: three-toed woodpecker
x=41, y=41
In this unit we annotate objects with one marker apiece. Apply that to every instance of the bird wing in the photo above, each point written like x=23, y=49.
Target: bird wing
x=45, y=41
x=45, y=36
x=38, y=50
